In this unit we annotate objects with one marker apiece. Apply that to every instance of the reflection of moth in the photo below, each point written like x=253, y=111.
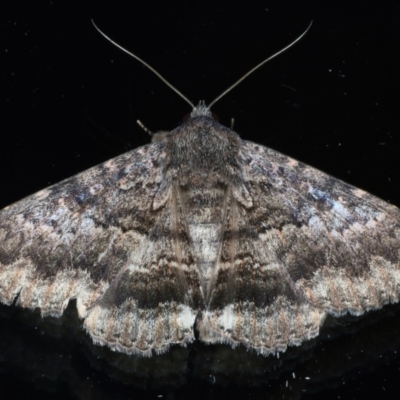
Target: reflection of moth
x=203, y=230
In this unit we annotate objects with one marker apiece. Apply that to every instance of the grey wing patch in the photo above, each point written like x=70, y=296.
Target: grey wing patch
x=254, y=302
x=153, y=301
x=76, y=238
x=309, y=245
x=340, y=245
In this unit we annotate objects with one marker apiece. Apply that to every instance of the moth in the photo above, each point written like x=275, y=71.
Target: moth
x=201, y=230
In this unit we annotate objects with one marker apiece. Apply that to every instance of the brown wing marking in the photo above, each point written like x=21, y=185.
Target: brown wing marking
x=154, y=301
x=254, y=301
x=340, y=245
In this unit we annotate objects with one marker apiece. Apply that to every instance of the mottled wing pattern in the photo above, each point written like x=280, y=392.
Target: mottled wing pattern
x=309, y=245
x=201, y=228
x=153, y=301
x=83, y=237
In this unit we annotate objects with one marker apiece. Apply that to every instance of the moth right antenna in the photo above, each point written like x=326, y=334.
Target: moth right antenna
x=258, y=66
x=146, y=65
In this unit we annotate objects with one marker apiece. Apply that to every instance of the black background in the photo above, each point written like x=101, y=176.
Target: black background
x=70, y=101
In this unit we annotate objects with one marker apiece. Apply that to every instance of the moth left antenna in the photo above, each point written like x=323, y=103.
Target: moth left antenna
x=146, y=65
x=258, y=66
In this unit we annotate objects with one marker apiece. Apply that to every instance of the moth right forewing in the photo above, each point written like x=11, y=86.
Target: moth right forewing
x=339, y=244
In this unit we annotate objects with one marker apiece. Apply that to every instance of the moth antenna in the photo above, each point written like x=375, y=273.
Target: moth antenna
x=146, y=65
x=258, y=66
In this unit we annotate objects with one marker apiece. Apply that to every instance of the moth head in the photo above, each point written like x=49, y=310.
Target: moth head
x=201, y=110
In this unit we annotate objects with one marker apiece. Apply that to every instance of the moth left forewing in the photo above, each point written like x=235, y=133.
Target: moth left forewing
x=72, y=239
x=114, y=238
x=153, y=302
x=338, y=244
